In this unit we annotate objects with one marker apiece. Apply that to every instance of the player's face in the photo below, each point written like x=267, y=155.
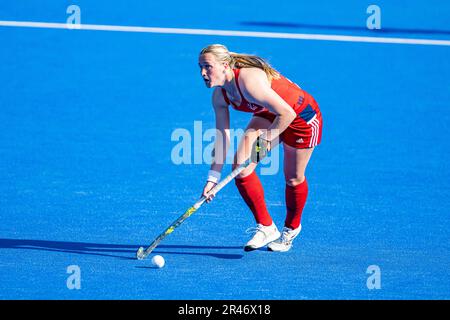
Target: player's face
x=212, y=71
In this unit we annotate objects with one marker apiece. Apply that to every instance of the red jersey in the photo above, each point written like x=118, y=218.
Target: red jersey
x=285, y=88
x=306, y=130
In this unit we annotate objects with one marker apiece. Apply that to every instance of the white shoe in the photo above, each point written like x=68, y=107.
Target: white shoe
x=284, y=243
x=263, y=235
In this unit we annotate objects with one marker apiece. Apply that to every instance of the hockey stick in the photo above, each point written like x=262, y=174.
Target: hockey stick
x=143, y=253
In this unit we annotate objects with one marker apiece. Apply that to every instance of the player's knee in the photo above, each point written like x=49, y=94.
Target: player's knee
x=295, y=181
x=244, y=173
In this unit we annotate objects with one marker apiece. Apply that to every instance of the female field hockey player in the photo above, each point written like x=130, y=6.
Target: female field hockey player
x=283, y=112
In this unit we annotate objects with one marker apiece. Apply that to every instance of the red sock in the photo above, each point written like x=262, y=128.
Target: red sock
x=252, y=192
x=295, y=202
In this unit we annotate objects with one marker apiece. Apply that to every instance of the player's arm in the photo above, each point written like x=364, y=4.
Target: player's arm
x=222, y=141
x=256, y=89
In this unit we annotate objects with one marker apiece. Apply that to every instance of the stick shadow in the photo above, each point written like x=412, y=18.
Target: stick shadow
x=119, y=251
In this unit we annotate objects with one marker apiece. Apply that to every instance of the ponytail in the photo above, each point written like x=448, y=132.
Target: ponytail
x=241, y=60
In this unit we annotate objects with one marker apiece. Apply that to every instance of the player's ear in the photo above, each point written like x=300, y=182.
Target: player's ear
x=225, y=67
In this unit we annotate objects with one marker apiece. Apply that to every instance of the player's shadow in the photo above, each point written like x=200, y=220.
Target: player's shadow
x=120, y=251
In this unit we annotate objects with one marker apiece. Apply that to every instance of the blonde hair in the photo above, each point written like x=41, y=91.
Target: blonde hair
x=241, y=60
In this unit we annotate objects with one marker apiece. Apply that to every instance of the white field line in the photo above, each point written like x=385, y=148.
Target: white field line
x=229, y=33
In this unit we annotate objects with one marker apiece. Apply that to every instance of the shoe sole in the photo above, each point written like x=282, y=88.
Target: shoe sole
x=252, y=248
x=272, y=250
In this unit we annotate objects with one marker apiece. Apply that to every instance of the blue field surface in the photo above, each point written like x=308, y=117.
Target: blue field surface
x=87, y=173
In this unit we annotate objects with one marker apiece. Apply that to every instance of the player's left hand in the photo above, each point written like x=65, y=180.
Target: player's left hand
x=208, y=186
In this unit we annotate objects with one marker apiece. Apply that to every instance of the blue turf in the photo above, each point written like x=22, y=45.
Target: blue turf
x=85, y=156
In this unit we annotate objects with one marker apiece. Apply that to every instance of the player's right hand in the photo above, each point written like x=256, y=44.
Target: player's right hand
x=260, y=149
x=208, y=186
